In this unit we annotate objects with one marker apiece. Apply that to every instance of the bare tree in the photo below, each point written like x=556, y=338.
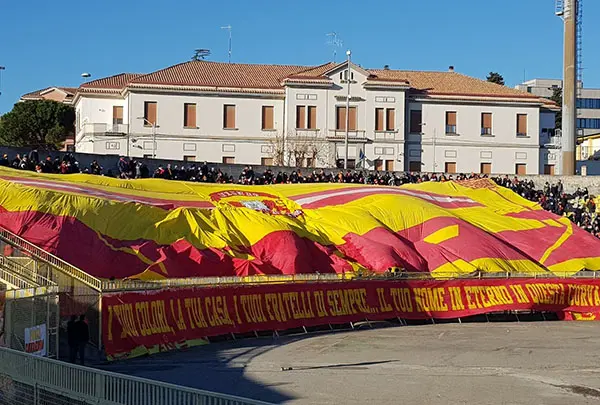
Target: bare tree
x=300, y=148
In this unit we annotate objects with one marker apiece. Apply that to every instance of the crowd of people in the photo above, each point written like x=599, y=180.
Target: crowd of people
x=579, y=206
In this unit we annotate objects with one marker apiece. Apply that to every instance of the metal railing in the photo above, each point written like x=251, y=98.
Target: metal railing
x=50, y=259
x=13, y=281
x=131, y=284
x=104, y=129
x=31, y=380
x=21, y=271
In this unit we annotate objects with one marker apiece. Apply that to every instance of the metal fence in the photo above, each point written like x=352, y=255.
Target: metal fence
x=79, y=292
x=31, y=380
x=27, y=308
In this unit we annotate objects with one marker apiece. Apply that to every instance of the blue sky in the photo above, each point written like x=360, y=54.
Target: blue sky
x=44, y=43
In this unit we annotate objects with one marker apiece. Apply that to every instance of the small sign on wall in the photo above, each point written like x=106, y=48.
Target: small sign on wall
x=35, y=340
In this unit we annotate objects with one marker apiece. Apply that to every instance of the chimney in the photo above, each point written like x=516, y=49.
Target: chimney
x=450, y=68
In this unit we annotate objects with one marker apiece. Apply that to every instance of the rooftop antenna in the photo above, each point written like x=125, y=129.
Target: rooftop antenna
x=228, y=28
x=334, y=42
x=1, y=69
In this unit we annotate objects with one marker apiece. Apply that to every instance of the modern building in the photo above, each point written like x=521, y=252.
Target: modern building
x=588, y=103
x=297, y=115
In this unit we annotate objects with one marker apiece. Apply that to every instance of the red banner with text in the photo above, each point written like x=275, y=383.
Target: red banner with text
x=136, y=323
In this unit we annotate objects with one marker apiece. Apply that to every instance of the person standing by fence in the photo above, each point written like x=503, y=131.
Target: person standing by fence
x=82, y=333
x=72, y=338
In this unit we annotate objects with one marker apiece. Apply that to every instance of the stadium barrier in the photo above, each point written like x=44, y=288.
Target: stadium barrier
x=33, y=380
x=31, y=320
x=148, y=321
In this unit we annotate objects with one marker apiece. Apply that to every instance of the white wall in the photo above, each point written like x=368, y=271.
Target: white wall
x=468, y=148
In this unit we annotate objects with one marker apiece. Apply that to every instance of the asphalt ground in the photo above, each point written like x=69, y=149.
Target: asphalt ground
x=529, y=363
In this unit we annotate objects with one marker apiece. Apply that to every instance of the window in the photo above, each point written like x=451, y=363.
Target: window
x=149, y=113
x=529, y=89
x=301, y=117
x=588, y=103
x=189, y=158
x=339, y=163
x=117, y=114
x=267, y=117
x=450, y=167
x=549, y=169
x=521, y=124
x=229, y=116
x=415, y=121
x=228, y=160
x=485, y=168
x=450, y=122
x=486, y=123
x=389, y=165
x=521, y=169
x=312, y=117
x=310, y=162
x=390, y=119
x=588, y=123
x=414, y=166
x=379, y=119
x=266, y=161
x=341, y=119
x=379, y=165
x=385, y=119
x=189, y=115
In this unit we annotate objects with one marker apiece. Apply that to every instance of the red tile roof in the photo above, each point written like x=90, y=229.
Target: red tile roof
x=35, y=95
x=266, y=78
x=449, y=83
x=216, y=74
x=116, y=82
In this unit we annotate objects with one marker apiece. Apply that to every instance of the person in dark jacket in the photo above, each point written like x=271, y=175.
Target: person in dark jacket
x=72, y=338
x=83, y=337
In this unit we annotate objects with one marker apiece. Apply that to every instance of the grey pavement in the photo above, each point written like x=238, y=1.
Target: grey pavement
x=553, y=363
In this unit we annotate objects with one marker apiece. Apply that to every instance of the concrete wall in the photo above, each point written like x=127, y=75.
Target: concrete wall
x=571, y=183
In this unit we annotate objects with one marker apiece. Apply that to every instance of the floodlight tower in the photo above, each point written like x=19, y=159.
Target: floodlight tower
x=570, y=12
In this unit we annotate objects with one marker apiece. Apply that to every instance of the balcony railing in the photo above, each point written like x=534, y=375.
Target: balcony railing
x=388, y=135
x=104, y=129
x=353, y=134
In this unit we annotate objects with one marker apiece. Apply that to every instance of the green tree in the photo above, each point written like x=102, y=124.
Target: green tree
x=40, y=123
x=495, y=77
x=557, y=98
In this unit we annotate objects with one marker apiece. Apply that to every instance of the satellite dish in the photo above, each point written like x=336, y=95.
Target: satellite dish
x=86, y=75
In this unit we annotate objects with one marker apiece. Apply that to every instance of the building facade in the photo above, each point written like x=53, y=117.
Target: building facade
x=63, y=95
x=297, y=116
x=588, y=103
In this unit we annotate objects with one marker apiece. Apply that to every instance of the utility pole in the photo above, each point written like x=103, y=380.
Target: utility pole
x=348, y=81
x=228, y=28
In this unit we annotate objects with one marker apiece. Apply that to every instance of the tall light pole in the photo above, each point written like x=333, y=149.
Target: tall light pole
x=348, y=81
x=569, y=105
x=154, y=126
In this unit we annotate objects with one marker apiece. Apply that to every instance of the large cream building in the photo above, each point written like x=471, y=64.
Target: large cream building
x=296, y=115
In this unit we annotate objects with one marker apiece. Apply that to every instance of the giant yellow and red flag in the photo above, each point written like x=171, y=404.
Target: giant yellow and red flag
x=172, y=229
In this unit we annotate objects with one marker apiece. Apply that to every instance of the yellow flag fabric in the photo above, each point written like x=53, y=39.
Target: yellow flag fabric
x=155, y=228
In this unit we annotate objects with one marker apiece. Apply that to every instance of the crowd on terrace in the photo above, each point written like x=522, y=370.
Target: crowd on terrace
x=579, y=207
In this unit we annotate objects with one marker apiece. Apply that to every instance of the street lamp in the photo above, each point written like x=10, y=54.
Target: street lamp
x=154, y=126
x=348, y=53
